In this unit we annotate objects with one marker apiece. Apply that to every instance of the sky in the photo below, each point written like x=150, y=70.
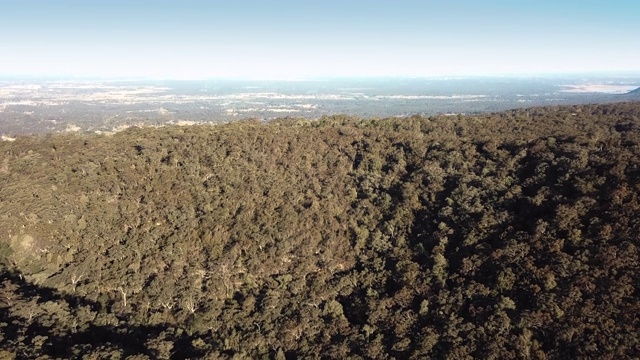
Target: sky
x=278, y=39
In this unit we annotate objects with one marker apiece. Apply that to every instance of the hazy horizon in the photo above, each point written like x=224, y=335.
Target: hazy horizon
x=588, y=76
x=287, y=40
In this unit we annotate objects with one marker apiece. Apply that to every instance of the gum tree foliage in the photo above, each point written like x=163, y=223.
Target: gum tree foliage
x=504, y=235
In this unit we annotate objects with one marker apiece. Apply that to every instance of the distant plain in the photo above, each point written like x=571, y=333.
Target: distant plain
x=33, y=106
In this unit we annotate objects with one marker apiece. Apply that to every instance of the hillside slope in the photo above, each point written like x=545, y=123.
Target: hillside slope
x=506, y=235
x=634, y=93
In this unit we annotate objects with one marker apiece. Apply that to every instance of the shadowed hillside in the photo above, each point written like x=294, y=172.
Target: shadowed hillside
x=511, y=235
x=634, y=93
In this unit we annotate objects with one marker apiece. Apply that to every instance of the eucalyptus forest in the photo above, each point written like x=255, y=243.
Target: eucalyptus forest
x=507, y=235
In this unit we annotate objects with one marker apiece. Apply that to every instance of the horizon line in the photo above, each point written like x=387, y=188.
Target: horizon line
x=62, y=77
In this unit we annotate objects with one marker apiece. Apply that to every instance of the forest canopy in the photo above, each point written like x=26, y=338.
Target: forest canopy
x=510, y=235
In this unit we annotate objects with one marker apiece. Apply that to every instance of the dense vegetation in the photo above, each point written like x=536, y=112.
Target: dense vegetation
x=498, y=236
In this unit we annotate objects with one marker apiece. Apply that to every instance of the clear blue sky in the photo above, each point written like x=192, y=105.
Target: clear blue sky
x=309, y=38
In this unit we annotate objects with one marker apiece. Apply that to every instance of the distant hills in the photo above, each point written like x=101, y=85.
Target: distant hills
x=634, y=93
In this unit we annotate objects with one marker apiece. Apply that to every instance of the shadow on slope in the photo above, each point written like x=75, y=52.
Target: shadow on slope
x=40, y=321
